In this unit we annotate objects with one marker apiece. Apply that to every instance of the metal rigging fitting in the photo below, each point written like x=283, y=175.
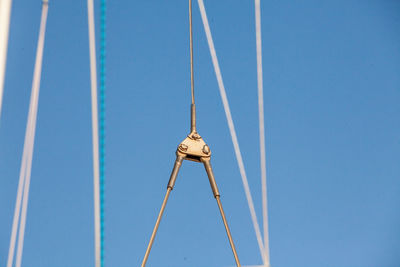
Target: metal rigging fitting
x=195, y=149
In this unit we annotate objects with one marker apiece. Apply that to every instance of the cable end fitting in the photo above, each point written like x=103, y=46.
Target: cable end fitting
x=193, y=118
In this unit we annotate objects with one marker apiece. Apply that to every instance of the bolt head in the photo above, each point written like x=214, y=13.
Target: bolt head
x=183, y=147
x=206, y=149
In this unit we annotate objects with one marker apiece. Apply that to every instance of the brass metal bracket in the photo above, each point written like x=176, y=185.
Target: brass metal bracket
x=193, y=148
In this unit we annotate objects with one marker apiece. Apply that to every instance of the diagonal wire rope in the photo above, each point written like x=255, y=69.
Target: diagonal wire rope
x=21, y=185
x=26, y=164
x=262, y=131
x=231, y=127
x=35, y=90
x=95, y=134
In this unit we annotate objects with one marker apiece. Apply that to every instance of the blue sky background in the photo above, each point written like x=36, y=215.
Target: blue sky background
x=332, y=93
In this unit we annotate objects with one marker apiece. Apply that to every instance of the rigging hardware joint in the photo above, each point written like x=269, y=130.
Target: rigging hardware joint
x=193, y=148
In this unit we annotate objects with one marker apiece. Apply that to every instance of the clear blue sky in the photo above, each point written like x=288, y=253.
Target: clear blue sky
x=332, y=94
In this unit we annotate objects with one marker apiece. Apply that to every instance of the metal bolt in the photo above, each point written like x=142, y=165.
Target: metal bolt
x=183, y=147
x=206, y=149
x=196, y=136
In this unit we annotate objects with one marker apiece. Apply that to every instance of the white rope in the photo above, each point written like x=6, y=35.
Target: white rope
x=21, y=185
x=95, y=132
x=5, y=14
x=35, y=91
x=262, y=132
x=26, y=164
x=231, y=126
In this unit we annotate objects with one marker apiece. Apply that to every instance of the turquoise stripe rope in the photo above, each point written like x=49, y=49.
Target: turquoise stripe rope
x=102, y=120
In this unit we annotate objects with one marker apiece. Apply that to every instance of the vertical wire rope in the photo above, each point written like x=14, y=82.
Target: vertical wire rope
x=192, y=106
x=231, y=127
x=95, y=133
x=262, y=131
x=102, y=122
x=5, y=14
x=191, y=51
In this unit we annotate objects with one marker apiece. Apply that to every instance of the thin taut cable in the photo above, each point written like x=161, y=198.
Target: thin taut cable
x=102, y=124
x=191, y=51
x=231, y=127
x=95, y=134
x=26, y=165
x=263, y=164
x=193, y=107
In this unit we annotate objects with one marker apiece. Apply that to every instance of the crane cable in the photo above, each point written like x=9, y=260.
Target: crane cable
x=231, y=127
x=26, y=164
